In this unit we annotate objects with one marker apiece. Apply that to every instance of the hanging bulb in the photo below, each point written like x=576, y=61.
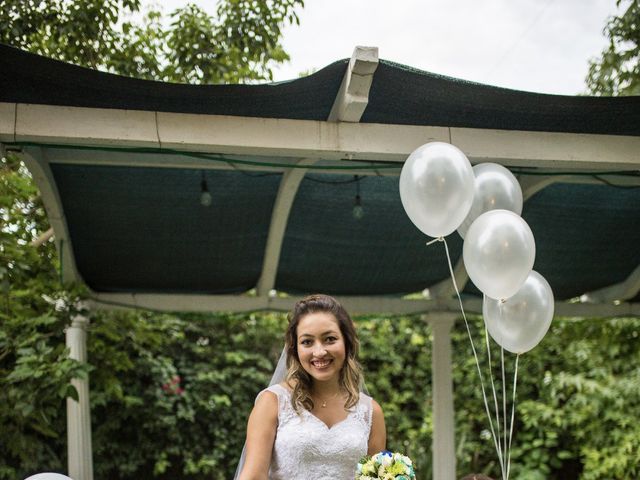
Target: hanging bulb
x=205, y=196
x=358, y=211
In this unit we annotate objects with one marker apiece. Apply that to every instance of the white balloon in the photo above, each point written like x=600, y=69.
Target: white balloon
x=520, y=322
x=498, y=252
x=495, y=188
x=436, y=188
x=48, y=476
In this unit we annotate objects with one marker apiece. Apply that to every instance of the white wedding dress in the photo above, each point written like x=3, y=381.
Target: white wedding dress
x=305, y=448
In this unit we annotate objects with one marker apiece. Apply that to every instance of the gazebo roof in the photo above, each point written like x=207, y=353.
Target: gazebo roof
x=120, y=163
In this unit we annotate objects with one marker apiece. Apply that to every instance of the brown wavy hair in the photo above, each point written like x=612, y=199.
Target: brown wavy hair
x=297, y=377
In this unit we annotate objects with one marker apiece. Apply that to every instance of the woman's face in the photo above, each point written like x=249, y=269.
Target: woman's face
x=321, y=348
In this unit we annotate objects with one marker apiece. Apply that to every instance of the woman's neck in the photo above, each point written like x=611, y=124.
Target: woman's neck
x=324, y=389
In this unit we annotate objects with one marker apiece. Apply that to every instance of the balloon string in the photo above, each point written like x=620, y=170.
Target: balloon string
x=473, y=348
x=504, y=403
x=493, y=388
x=513, y=413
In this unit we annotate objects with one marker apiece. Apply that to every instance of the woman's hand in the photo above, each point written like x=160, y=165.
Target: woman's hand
x=261, y=434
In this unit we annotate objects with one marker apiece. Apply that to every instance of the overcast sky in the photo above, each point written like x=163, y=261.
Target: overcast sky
x=534, y=45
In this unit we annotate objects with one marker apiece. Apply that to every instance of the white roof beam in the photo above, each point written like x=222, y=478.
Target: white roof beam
x=8, y=122
x=622, y=291
x=356, y=305
x=353, y=96
x=35, y=160
x=311, y=138
x=279, y=217
x=348, y=106
x=102, y=157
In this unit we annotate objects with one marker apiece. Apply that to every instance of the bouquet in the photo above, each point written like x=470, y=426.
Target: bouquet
x=386, y=465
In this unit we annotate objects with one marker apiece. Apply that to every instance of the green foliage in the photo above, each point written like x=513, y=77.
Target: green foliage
x=578, y=392
x=617, y=71
x=170, y=394
x=173, y=393
x=241, y=43
x=396, y=357
x=35, y=370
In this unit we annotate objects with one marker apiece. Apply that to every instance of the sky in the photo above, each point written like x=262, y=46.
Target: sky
x=533, y=45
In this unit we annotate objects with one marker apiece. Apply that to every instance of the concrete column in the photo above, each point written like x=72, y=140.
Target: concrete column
x=444, y=455
x=80, y=460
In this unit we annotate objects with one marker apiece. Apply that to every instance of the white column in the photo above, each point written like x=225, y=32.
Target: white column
x=80, y=460
x=444, y=455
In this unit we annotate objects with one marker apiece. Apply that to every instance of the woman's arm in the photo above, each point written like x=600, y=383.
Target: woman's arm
x=261, y=434
x=378, y=435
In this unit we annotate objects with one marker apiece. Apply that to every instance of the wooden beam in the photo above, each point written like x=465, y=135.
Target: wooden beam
x=279, y=218
x=355, y=305
x=315, y=139
x=7, y=122
x=35, y=160
x=530, y=182
x=102, y=157
x=353, y=97
x=622, y=291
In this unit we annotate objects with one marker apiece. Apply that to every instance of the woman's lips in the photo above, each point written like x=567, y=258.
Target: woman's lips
x=321, y=364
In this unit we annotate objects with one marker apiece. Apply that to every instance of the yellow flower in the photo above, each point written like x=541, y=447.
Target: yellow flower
x=368, y=468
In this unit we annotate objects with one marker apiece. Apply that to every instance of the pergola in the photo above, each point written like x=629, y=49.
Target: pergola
x=121, y=165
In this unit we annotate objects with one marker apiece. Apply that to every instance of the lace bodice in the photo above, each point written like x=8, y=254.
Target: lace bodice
x=306, y=448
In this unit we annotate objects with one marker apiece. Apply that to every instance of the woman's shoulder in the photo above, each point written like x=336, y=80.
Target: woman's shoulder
x=277, y=390
x=370, y=404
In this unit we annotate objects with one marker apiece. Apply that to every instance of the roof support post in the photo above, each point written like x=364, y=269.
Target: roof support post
x=35, y=160
x=624, y=290
x=353, y=96
x=80, y=461
x=444, y=455
x=349, y=105
x=281, y=209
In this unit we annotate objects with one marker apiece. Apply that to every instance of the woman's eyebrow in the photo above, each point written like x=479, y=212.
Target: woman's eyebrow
x=332, y=332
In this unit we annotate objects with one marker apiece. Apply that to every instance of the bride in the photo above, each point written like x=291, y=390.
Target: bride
x=316, y=423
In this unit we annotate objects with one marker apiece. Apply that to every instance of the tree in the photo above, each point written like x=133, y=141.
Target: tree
x=240, y=44
x=617, y=71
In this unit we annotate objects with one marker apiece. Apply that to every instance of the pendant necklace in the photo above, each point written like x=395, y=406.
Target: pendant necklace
x=324, y=402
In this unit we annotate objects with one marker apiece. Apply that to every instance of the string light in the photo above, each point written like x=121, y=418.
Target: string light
x=205, y=196
x=358, y=211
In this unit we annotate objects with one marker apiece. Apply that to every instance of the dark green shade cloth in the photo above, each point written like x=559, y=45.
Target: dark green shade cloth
x=137, y=229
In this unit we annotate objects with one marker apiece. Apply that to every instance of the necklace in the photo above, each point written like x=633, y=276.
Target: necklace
x=324, y=402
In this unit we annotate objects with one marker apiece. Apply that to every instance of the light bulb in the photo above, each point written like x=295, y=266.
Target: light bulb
x=205, y=196
x=358, y=211
x=205, y=199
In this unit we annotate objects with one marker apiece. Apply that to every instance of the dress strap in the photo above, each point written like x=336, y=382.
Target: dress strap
x=366, y=408
x=285, y=409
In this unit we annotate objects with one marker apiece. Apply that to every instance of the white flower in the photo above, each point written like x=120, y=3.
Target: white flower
x=387, y=460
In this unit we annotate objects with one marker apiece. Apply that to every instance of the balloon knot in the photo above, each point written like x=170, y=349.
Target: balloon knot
x=439, y=239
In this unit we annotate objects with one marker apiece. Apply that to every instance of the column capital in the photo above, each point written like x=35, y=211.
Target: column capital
x=441, y=320
x=81, y=318
x=79, y=321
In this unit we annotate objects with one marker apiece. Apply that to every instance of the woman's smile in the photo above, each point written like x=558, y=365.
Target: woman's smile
x=321, y=349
